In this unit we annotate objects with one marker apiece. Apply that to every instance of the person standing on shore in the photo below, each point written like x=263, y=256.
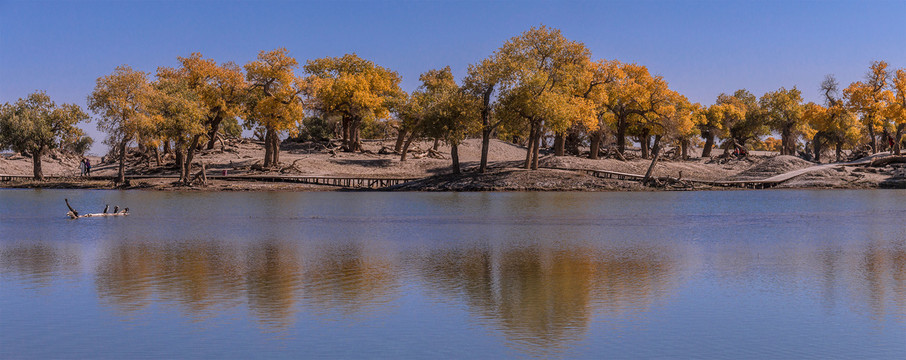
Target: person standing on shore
x=87, y=167
x=82, y=167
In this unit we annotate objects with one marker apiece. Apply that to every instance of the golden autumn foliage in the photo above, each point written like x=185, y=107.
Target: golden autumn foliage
x=274, y=98
x=355, y=89
x=123, y=102
x=783, y=110
x=546, y=80
x=870, y=99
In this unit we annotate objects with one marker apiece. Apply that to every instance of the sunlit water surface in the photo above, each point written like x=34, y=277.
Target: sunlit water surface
x=754, y=274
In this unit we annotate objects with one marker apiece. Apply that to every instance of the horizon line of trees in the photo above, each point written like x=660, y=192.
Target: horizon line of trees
x=538, y=84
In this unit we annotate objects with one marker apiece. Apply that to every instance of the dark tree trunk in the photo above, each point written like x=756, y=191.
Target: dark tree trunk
x=436, y=144
x=268, y=149
x=400, y=138
x=595, y=146
x=454, y=154
x=684, y=147
x=486, y=128
x=785, y=139
x=167, y=147
x=36, y=163
x=816, y=143
x=190, y=155
x=898, y=139
x=709, y=143
x=621, y=136
x=121, y=174
x=212, y=135
x=345, y=125
x=530, y=146
x=180, y=158
x=538, y=136
x=655, y=156
x=405, y=150
x=644, y=143
x=275, y=148
x=485, y=146
x=559, y=144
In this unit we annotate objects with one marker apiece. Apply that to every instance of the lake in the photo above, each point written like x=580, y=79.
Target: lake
x=718, y=274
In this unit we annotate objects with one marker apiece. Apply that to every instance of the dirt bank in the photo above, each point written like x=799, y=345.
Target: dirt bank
x=244, y=158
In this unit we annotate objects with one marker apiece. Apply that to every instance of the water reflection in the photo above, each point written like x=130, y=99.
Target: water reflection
x=40, y=263
x=545, y=274
x=350, y=278
x=545, y=297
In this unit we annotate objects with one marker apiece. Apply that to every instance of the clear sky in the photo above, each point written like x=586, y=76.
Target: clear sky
x=702, y=48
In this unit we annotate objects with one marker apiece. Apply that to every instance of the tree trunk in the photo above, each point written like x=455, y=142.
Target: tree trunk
x=871, y=133
x=485, y=145
x=190, y=155
x=486, y=128
x=537, y=141
x=180, y=158
x=530, y=145
x=405, y=150
x=785, y=140
x=621, y=136
x=644, y=143
x=400, y=138
x=36, y=163
x=212, y=135
x=559, y=144
x=816, y=142
x=275, y=148
x=684, y=147
x=899, y=138
x=268, y=150
x=595, y=148
x=167, y=147
x=655, y=156
x=709, y=143
x=345, y=124
x=121, y=174
x=454, y=154
x=436, y=144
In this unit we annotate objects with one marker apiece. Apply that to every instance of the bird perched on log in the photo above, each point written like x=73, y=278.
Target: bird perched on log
x=105, y=208
x=116, y=209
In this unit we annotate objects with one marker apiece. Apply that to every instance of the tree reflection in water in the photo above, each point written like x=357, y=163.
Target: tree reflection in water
x=544, y=297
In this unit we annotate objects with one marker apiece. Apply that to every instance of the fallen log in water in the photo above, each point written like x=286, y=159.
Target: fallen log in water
x=73, y=214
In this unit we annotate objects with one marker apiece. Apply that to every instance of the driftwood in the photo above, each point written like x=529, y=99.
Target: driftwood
x=73, y=214
x=884, y=161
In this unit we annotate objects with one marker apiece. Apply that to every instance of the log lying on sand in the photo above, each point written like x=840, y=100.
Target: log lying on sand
x=73, y=214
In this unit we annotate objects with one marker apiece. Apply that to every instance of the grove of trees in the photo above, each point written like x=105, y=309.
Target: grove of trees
x=538, y=89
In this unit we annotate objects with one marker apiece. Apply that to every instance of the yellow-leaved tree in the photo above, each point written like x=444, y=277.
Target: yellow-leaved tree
x=547, y=81
x=870, y=100
x=783, y=110
x=482, y=81
x=179, y=116
x=450, y=112
x=897, y=109
x=274, y=101
x=354, y=89
x=832, y=123
x=122, y=100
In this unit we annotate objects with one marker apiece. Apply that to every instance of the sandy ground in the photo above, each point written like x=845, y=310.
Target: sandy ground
x=244, y=158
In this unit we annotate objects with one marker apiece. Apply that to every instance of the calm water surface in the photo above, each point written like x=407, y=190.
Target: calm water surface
x=754, y=274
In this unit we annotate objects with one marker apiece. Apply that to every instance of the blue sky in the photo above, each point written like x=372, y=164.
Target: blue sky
x=702, y=48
